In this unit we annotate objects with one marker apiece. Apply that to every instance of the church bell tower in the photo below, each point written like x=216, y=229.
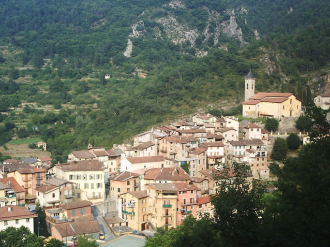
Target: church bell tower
x=250, y=81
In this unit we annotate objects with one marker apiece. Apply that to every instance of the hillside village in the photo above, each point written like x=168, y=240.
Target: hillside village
x=161, y=177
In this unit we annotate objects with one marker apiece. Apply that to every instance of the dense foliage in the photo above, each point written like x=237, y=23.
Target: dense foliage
x=280, y=149
x=293, y=141
x=53, y=59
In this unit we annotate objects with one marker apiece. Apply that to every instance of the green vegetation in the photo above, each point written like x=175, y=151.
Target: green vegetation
x=271, y=124
x=280, y=149
x=17, y=237
x=25, y=140
x=296, y=214
x=53, y=60
x=293, y=141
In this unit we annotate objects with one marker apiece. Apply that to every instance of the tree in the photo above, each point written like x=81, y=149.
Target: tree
x=238, y=207
x=18, y=237
x=189, y=233
x=85, y=242
x=293, y=141
x=271, y=124
x=304, y=123
x=280, y=149
x=54, y=243
x=303, y=209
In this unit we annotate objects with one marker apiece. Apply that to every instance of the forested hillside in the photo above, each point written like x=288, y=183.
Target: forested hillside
x=166, y=59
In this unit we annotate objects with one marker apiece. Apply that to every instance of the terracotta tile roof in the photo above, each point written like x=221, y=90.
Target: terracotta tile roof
x=213, y=144
x=170, y=174
x=197, y=179
x=79, y=204
x=83, y=165
x=10, y=161
x=214, y=173
x=185, y=187
x=274, y=100
x=46, y=187
x=192, y=131
x=45, y=158
x=57, y=181
x=31, y=170
x=13, y=184
x=251, y=142
x=203, y=199
x=262, y=95
x=250, y=151
x=163, y=187
x=14, y=166
x=139, y=194
x=325, y=95
x=182, y=124
x=251, y=102
x=252, y=126
x=84, y=218
x=222, y=130
x=83, y=154
x=112, y=153
x=16, y=212
x=4, y=186
x=76, y=228
x=100, y=153
x=163, y=128
x=221, y=120
x=198, y=150
x=144, y=146
x=30, y=160
x=215, y=136
x=123, y=176
x=264, y=131
x=147, y=159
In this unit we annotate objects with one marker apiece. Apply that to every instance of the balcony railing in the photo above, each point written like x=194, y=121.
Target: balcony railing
x=167, y=205
x=10, y=195
x=126, y=212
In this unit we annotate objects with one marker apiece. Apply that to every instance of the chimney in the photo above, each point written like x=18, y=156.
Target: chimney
x=9, y=209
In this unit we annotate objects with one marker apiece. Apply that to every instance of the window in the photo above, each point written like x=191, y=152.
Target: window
x=78, y=195
x=128, y=182
x=99, y=185
x=143, y=201
x=84, y=177
x=82, y=211
x=71, y=177
x=16, y=221
x=6, y=223
x=118, y=189
x=143, y=209
x=92, y=185
x=86, y=185
x=78, y=177
x=191, y=192
x=27, y=220
x=53, y=195
x=91, y=177
x=73, y=212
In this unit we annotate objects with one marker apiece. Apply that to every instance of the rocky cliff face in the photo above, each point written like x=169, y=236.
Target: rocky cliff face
x=182, y=32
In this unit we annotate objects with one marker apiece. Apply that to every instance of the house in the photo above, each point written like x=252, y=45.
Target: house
x=65, y=188
x=204, y=206
x=16, y=216
x=165, y=175
x=43, y=145
x=201, y=160
x=87, y=175
x=137, y=163
x=252, y=152
x=114, y=159
x=229, y=133
x=175, y=147
x=227, y=122
x=202, y=184
x=69, y=231
x=145, y=149
x=16, y=193
x=215, y=153
x=135, y=208
x=30, y=179
x=45, y=161
x=252, y=131
x=276, y=105
x=122, y=182
x=322, y=101
x=214, y=175
x=4, y=195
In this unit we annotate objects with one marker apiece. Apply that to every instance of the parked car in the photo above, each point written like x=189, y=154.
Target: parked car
x=101, y=236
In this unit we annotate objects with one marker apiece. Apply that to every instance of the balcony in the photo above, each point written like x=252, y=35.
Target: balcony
x=163, y=151
x=10, y=195
x=126, y=212
x=26, y=179
x=39, y=178
x=167, y=205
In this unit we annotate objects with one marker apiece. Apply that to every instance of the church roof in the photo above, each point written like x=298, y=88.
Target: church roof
x=250, y=76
